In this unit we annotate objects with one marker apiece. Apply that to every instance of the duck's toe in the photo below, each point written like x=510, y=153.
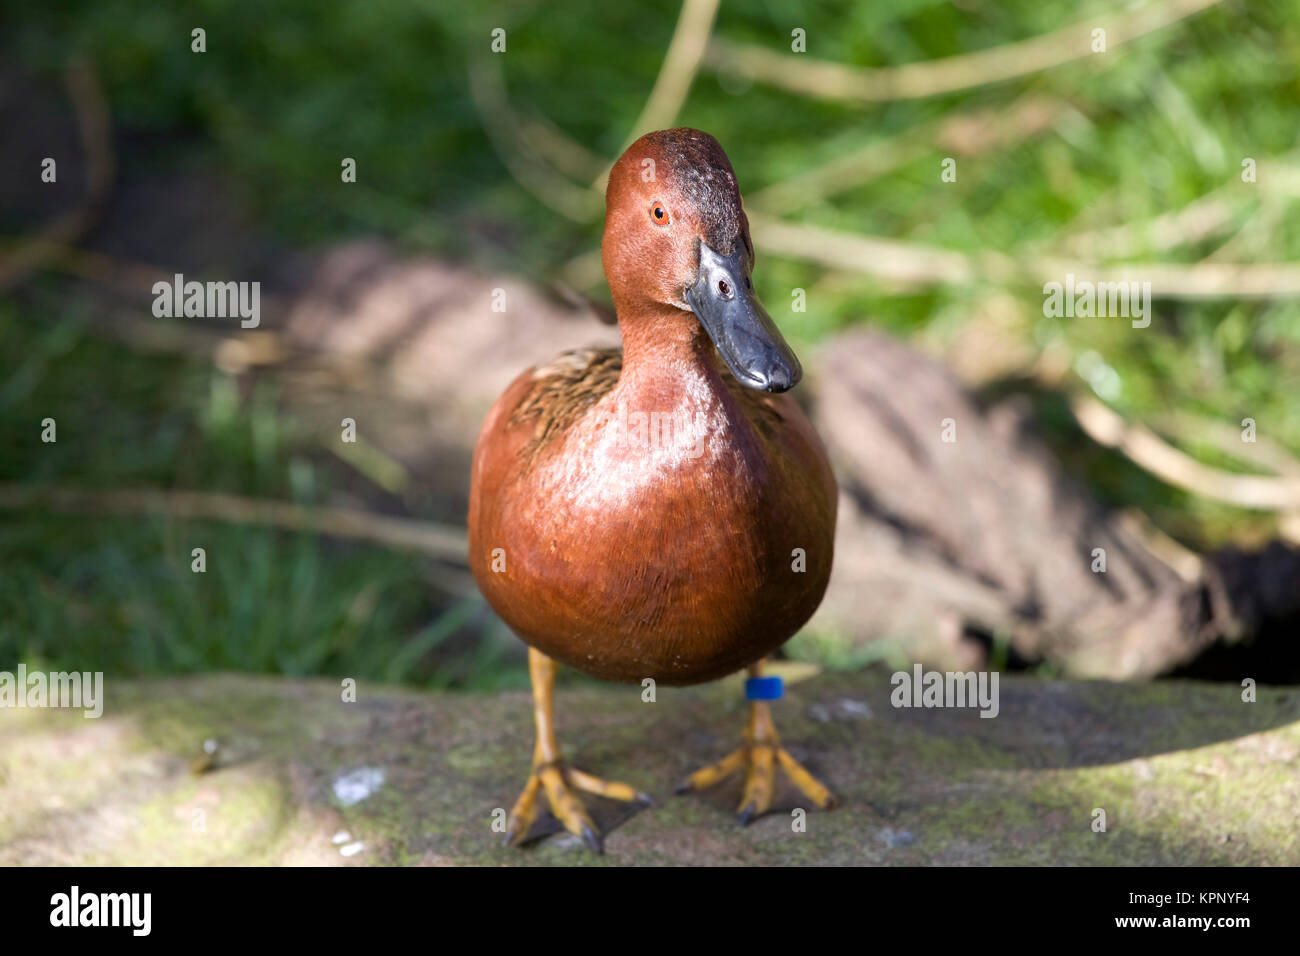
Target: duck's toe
x=557, y=783
x=758, y=758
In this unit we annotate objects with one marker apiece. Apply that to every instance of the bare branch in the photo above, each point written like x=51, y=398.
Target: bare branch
x=676, y=74
x=1148, y=451
x=488, y=91
x=95, y=129
x=922, y=264
x=438, y=541
x=806, y=76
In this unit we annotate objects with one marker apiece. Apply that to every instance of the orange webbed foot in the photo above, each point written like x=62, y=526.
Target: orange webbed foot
x=558, y=782
x=759, y=757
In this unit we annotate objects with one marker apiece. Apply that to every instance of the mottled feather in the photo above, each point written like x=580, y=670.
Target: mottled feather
x=573, y=381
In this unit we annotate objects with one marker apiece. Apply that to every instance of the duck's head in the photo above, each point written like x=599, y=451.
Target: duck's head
x=676, y=235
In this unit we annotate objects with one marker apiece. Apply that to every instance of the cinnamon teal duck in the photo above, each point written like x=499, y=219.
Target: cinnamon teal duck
x=656, y=512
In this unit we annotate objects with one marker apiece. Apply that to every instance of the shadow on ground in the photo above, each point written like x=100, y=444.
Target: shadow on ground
x=1186, y=773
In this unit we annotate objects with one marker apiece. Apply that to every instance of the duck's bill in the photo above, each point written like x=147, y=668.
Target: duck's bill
x=745, y=335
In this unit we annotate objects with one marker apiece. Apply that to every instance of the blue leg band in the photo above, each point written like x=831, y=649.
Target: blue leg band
x=764, y=688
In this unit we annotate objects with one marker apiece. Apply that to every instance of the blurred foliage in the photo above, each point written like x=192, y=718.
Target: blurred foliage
x=288, y=87
x=118, y=594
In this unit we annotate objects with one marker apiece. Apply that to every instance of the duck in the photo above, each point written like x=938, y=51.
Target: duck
x=664, y=512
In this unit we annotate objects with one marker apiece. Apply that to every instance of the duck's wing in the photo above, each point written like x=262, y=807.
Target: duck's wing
x=560, y=392
x=781, y=422
x=557, y=394
x=766, y=411
x=544, y=402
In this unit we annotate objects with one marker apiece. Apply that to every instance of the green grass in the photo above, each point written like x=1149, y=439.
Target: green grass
x=289, y=87
x=119, y=594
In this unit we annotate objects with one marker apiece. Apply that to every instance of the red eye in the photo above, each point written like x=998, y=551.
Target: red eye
x=660, y=214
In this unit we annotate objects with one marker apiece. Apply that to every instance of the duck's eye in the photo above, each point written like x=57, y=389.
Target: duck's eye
x=659, y=214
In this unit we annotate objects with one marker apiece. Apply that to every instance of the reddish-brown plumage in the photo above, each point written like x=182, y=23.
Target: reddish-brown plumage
x=629, y=555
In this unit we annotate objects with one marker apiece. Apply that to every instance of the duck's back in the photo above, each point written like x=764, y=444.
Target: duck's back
x=682, y=561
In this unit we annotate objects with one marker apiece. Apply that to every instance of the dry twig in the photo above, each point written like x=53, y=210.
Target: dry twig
x=799, y=73
x=676, y=74
x=95, y=129
x=1151, y=453
x=438, y=541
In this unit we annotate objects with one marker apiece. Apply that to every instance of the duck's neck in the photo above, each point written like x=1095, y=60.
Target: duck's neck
x=672, y=388
x=668, y=357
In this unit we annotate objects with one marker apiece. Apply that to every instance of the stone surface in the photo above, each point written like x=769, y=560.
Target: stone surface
x=1186, y=772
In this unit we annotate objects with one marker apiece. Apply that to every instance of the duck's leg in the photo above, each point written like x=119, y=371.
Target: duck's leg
x=552, y=776
x=758, y=756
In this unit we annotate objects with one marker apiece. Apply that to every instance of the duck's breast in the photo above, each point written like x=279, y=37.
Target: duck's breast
x=677, y=534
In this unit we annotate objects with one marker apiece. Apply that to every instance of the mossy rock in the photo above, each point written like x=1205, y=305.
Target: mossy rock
x=1187, y=773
